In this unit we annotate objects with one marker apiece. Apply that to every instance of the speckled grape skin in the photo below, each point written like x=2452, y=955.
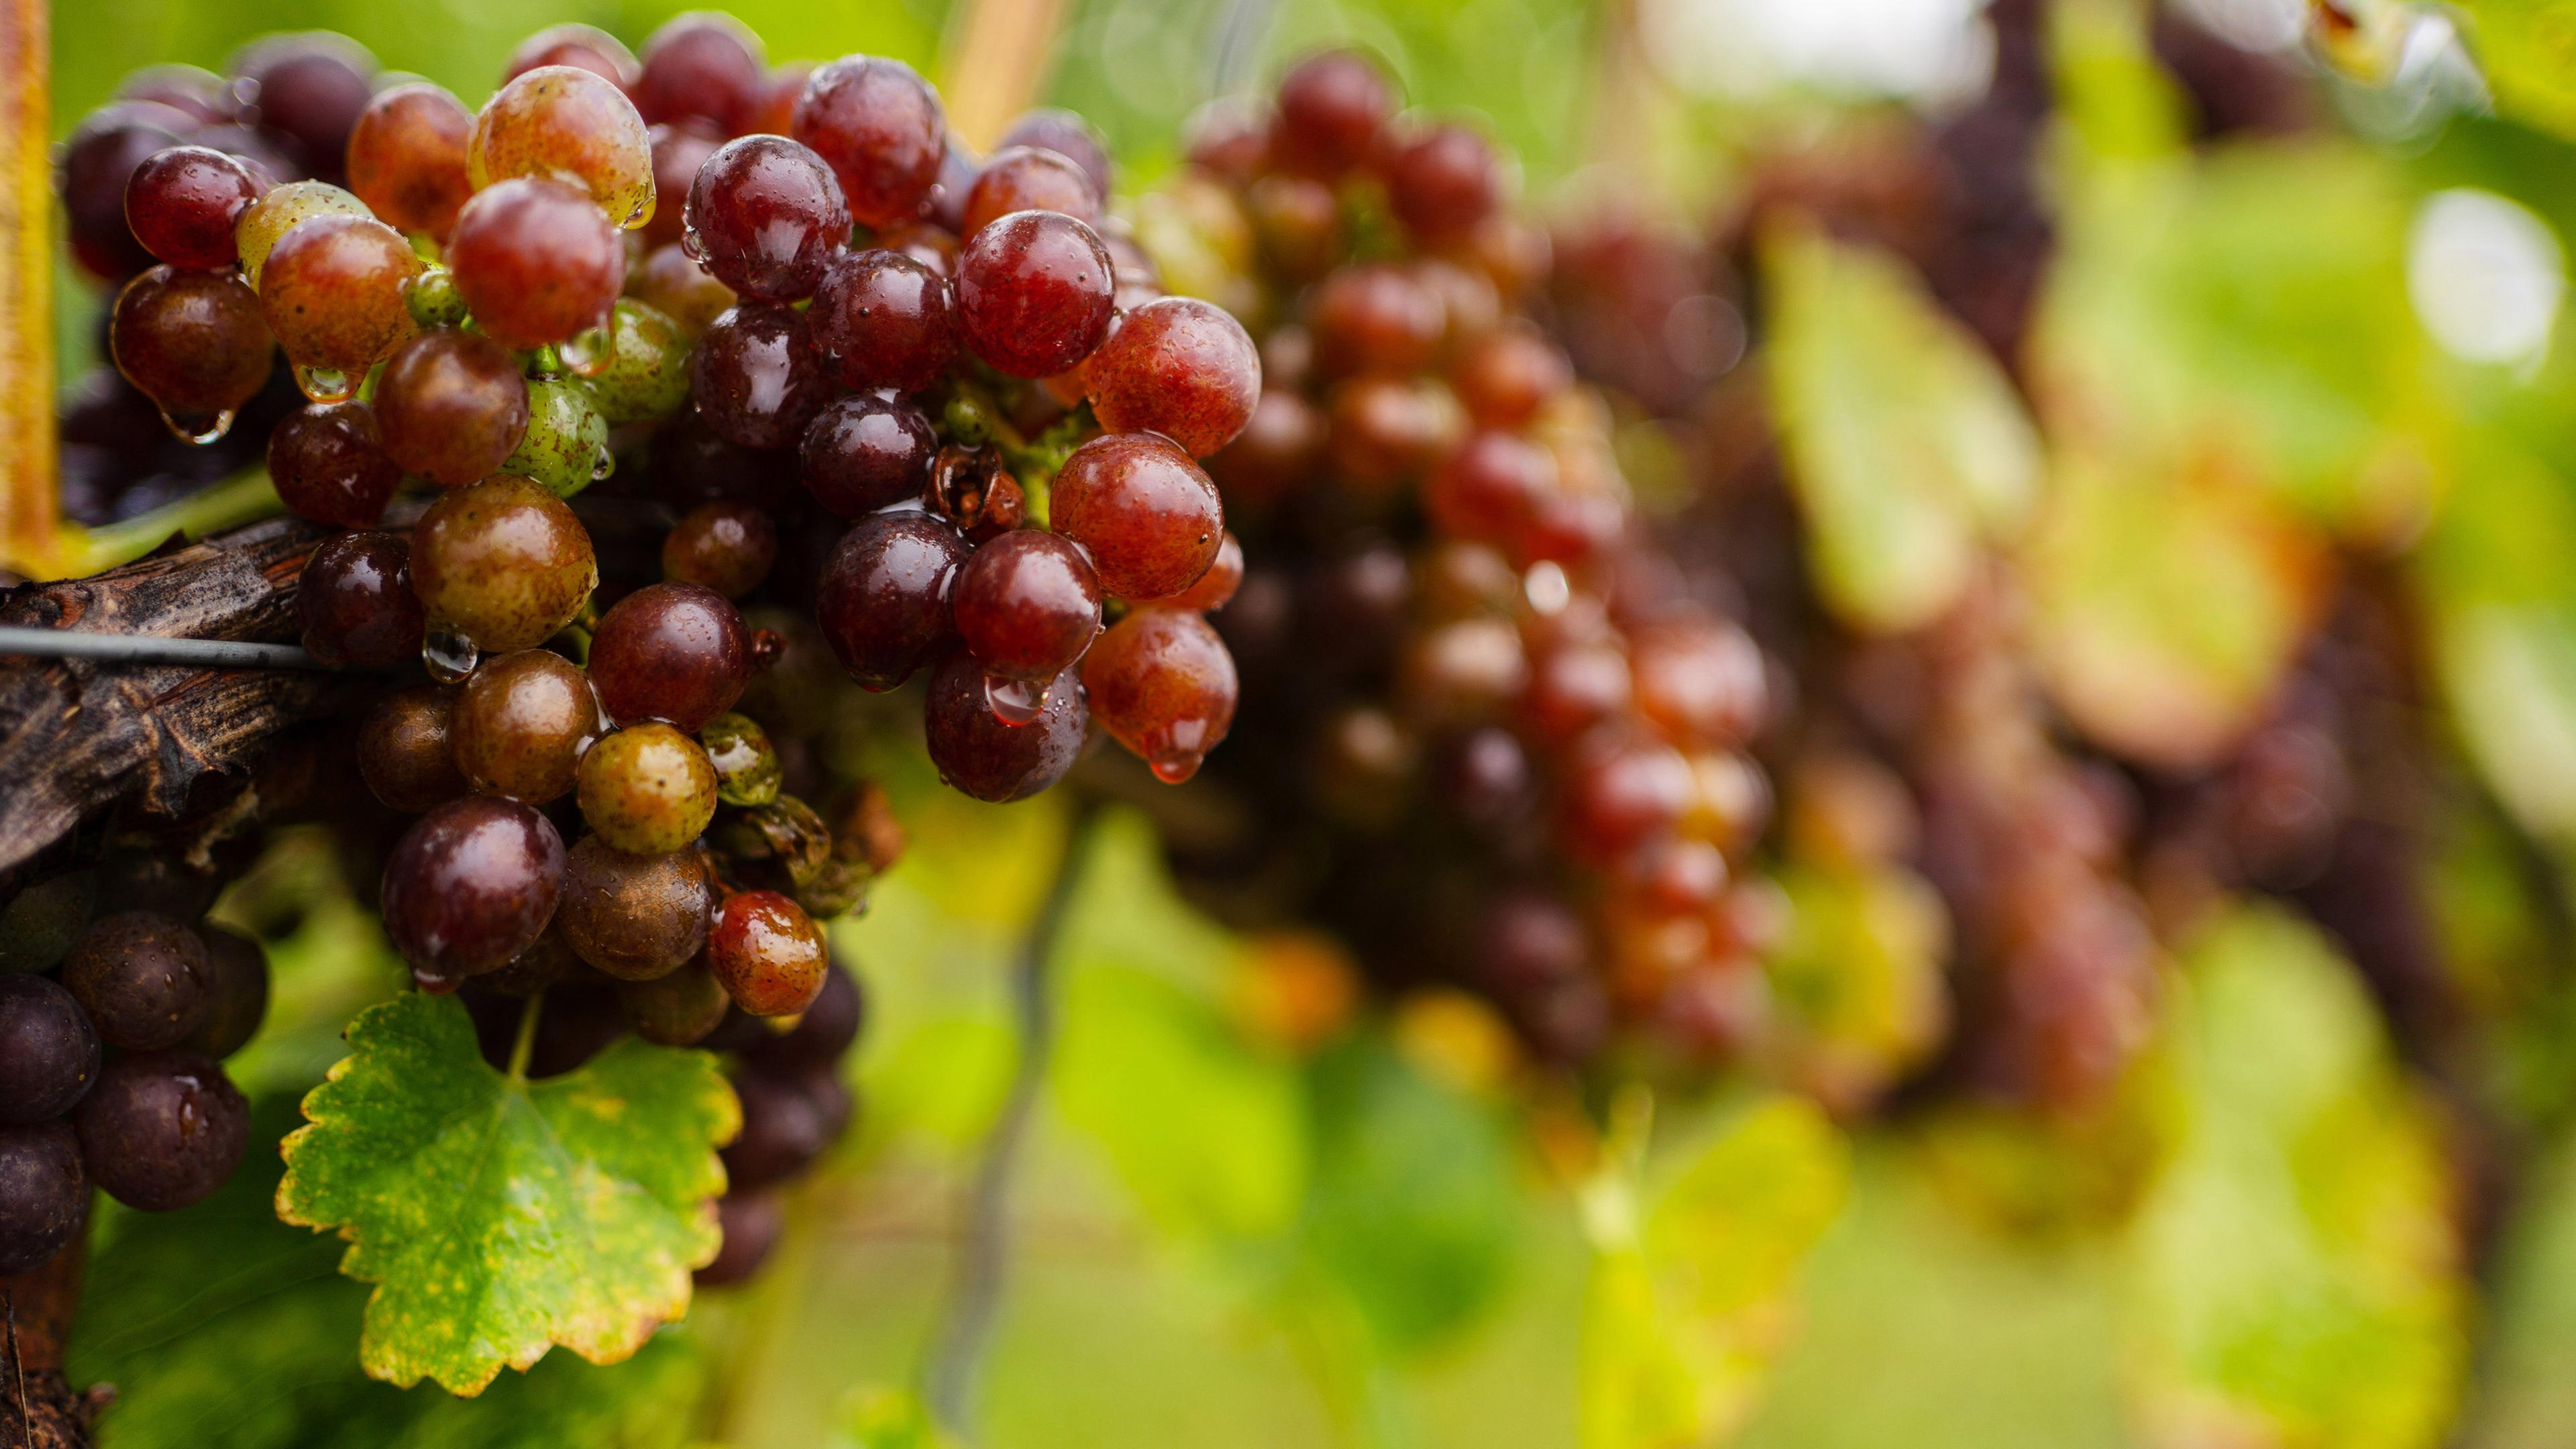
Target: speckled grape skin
x=675, y=652
x=407, y=157
x=503, y=562
x=865, y=452
x=884, y=600
x=536, y=260
x=879, y=126
x=332, y=292
x=1150, y=519
x=560, y=120
x=404, y=750
x=646, y=374
x=266, y=221
x=636, y=917
x=1034, y=293
x=469, y=886
x=647, y=789
x=1180, y=367
x=521, y=723
x=450, y=406
x=142, y=978
x=755, y=380
x=182, y=204
x=978, y=754
x=1027, y=178
x=329, y=467
x=767, y=216
x=191, y=341
x=162, y=1130
x=1027, y=604
x=882, y=319
x=566, y=438
x=768, y=953
x=724, y=544
x=1163, y=685
x=356, y=604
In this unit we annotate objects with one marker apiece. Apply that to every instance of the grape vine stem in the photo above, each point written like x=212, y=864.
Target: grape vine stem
x=983, y=1240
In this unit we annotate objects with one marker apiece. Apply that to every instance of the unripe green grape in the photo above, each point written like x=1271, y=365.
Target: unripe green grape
x=567, y=438
x=269, y=218
x=647, y=789
x=748, y=771
x=434, y=300
x=646, y=372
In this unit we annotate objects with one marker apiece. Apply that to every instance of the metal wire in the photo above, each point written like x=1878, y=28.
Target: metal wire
x=152, y=649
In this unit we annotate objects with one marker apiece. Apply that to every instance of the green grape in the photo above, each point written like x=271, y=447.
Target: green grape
x=747, y=765
x=565, y=448
x=434, y=300
x=646, y=372
x=269, y=218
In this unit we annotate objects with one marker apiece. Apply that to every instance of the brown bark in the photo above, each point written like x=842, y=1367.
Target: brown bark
x=38, y=1409
x=77, y=736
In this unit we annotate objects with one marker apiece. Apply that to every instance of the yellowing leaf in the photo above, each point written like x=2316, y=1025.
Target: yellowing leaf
x=2166, y=609
x=499, y=1217
x=2528, y=50
x=2295, y=1275
x=1857, y=984
x=1906, y=444
x=1689, y=1299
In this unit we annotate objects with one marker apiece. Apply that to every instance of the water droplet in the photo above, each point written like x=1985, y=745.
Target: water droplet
x=208, y=429
x=448, y=655
x=588, y=352
x=327, y=384
x=1014, y=701
x=602, y=465
x=1175, y=767
x=693, y=246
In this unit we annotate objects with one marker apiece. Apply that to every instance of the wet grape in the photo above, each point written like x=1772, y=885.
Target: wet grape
x=1033, y=293
x=450, y=407
x=520, y=724
x=978, y=754
x=193, y=342
x=1027, y=604
x=647, y=789
x=328, y=467
x=767, y=216
x=1149, y=518
x=675, y=652
x=568, y=124
x=162, y=1130
x=49, y=1053
x=636, y=917
x=1179, y=367
x=884, y=599
x=142, y=977
x=182, y=203
x=879, y=126
x=767, y=952
x=469, y=886
x=1163, y=685
x=503, y=562
x=356, y=602
x=404, y=749
x=537, y=261
x=756, y=381
x=333, y=293
x=407, y=157
x=882, y=319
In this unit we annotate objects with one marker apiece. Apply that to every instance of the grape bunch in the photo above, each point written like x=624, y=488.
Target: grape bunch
x=845, y=389
x=118, y=1003
x=1494, y=744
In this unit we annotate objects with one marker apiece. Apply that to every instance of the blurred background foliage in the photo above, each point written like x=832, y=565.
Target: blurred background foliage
x=2258, y=371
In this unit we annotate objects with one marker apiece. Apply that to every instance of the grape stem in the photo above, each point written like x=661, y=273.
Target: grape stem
x=526, y=1045
x=983, y=1242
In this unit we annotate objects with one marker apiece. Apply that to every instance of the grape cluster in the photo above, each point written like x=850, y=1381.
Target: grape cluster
x=847, y=391
x=118, y=1001
x=1497, y=747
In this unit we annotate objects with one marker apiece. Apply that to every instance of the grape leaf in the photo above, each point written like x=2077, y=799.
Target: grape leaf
x=1689, y=1295
x=1906, y=444
x=2525, y=49
x=218, y=1324
x=1857, y=983
x=2295, y=1271
x=500, y=1217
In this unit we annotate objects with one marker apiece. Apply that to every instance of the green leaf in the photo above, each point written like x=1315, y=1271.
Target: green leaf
x=2528, y=51
x=2166, y=609
x=888, y=1419
x=1907, y=446
x=500, y=1217
x=2295, y=1271
x=219, y=1324
x=1413, y=1216
x=1690, y=1297
x=1857, y=985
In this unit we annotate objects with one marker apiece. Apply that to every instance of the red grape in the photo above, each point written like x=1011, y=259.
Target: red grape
x=503, y=562
x=407, y=157
x=404, y=752
x=49, y=1052
x=536, y=260
x=1506, y=376
x=451, y=407
x=332, y=292
x=785, y=86
x=568, y=124
x=1216, y=587
x=181, y=205
x=311, y=86
x=756, y=381
x=975, y=752
x=469, y=886
x=1068, y=135
x=636, y=917
x=767, y=216
x=702, y=65
x=328, y=467
x=1027, y=605
x=141, y=977
x=866, y=452
x=1443, y=182
x=884, y=599
x=680, y=148
x=1180, y=367
x=724, y=544
x=672, y=652
x=1332, y=108
x=1025, y=178
x=883, y=320
x=162, y=1130
x=356, y=602
x=1163, y=685
x=193, y=342
x=521, y=723
x=676, y=285
x=1033, y=293
x=92, y=172
x=767, y=952
x=586, y=46
x=1374, y=317
x=879, y=126
x=1490, y=489
x=1149, y=517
